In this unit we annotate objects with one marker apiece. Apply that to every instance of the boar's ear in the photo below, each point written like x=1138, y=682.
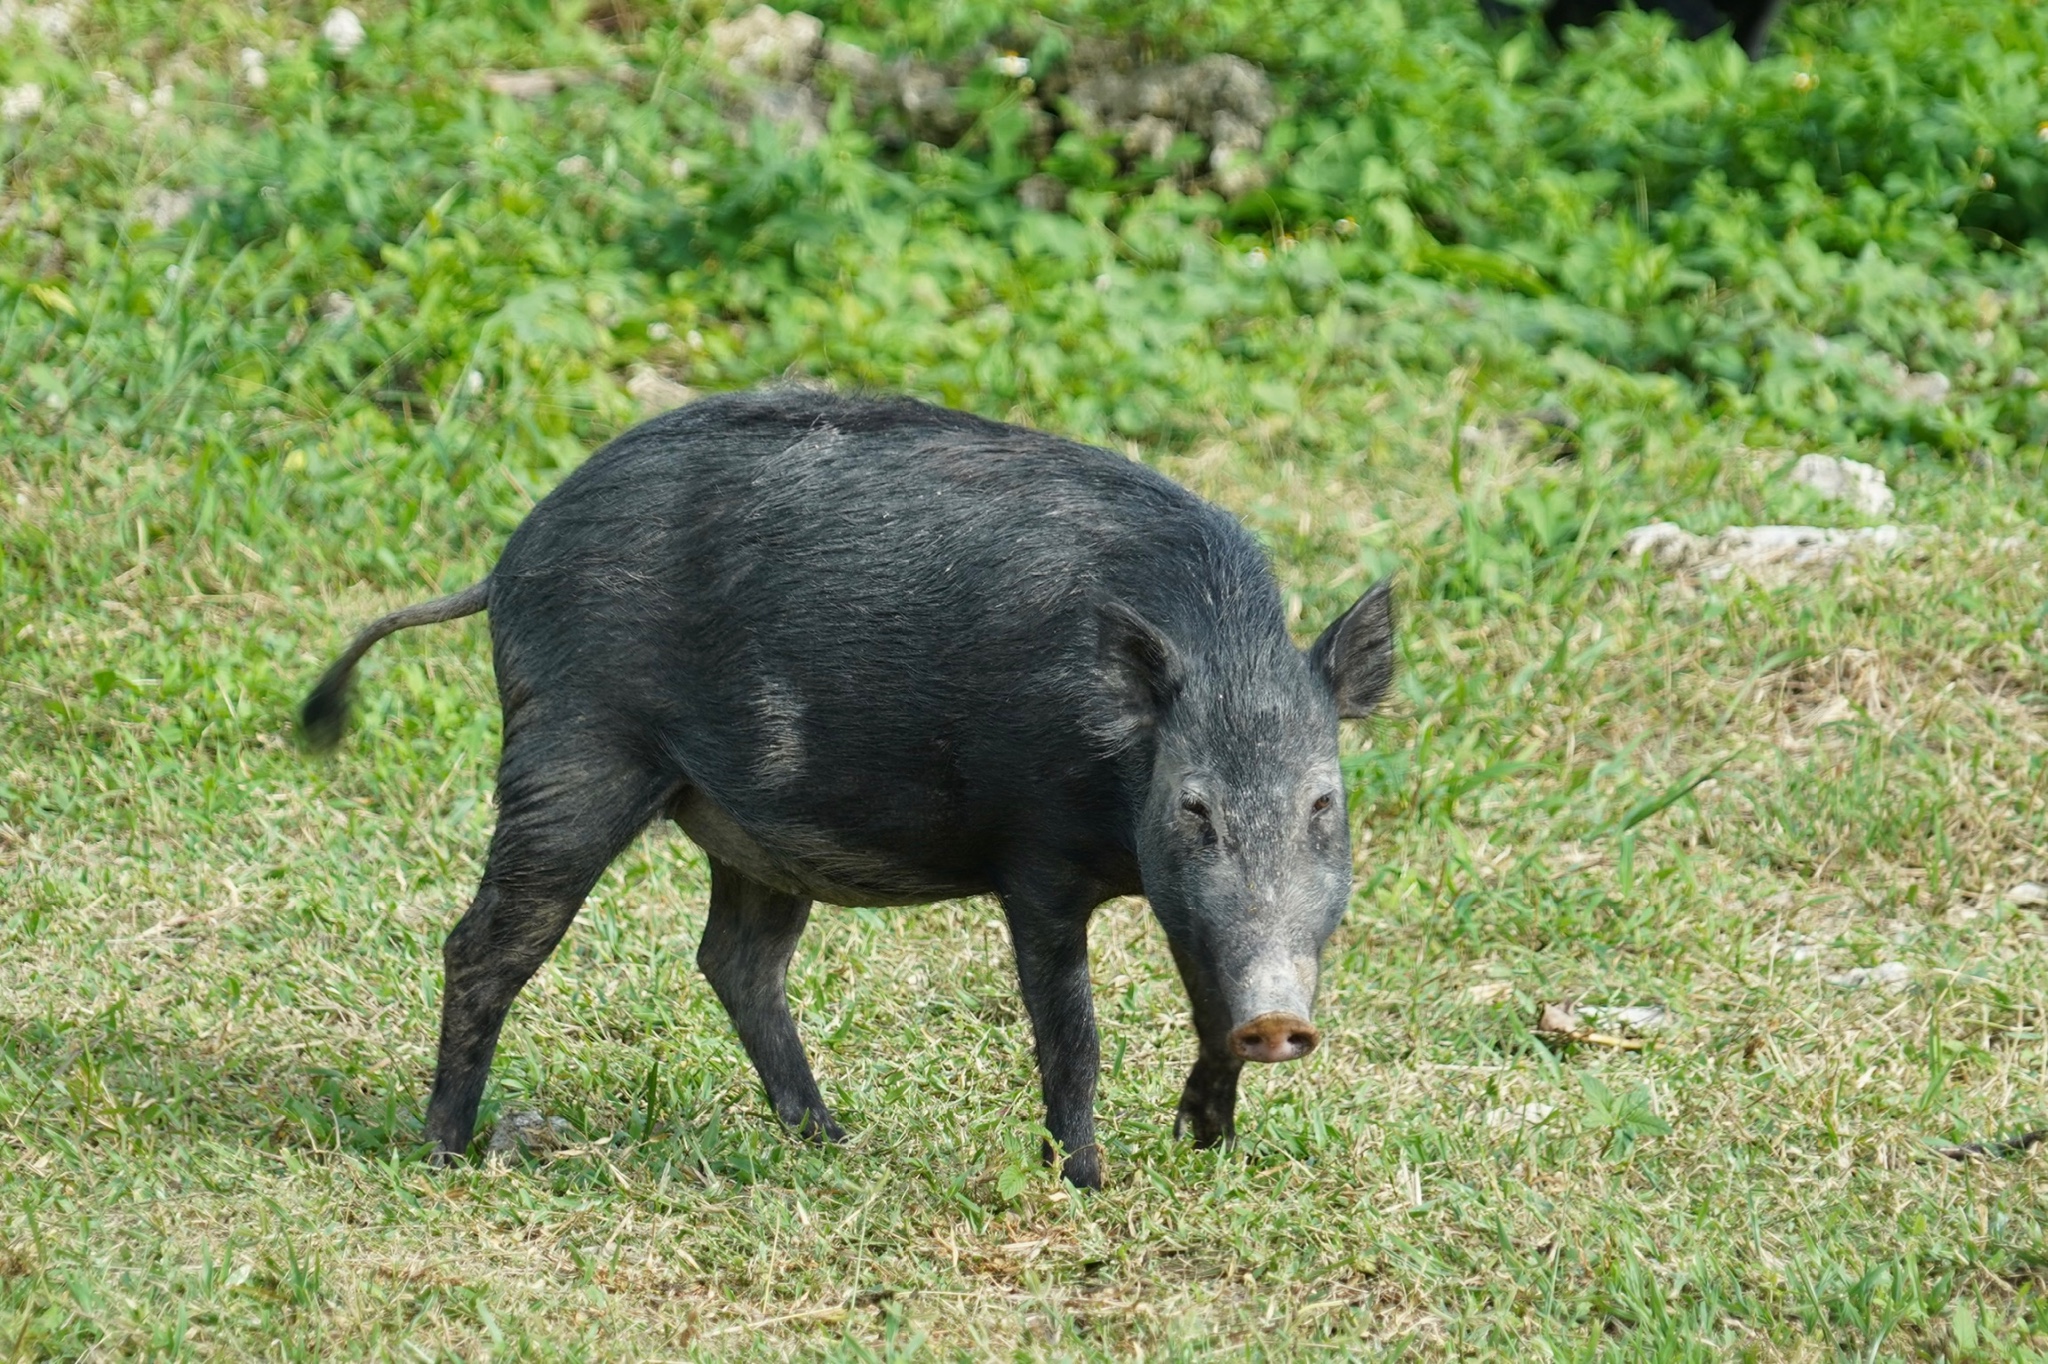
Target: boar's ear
x=1141, y=665
x=1355, y=656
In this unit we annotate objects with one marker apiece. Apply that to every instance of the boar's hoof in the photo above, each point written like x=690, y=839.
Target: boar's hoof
x=1082, y=1168
x=815, y=1126
x=1275, y=1037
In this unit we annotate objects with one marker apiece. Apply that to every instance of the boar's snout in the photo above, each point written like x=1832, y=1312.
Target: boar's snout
x=1275, y=1037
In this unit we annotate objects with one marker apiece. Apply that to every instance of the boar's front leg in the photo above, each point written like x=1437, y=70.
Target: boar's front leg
x=1050, y=936
x=749, y=938
x=1208, y=1103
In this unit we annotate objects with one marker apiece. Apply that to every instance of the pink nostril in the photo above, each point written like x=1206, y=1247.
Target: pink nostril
x=1274, y=1037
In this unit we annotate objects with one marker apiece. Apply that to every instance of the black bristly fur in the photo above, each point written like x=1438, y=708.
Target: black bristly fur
x=1750, y=21
x=869, y=651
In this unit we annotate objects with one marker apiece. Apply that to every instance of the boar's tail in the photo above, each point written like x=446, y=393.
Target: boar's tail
x=325, y=712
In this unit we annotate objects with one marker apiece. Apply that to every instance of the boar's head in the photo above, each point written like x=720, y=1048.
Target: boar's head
x=1241, y=832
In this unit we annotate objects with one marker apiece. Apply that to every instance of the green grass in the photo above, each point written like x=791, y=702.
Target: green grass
x=219, y=963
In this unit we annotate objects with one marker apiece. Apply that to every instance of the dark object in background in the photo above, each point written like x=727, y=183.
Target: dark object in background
x=872, y=652
x=1750, y=19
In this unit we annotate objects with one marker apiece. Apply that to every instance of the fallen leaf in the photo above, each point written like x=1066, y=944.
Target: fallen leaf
x=1489, y=991
x=2029, y=895
x=1632, y=1017
x=1561, y=1020
x=655, y=391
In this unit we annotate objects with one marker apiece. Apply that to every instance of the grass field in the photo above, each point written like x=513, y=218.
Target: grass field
x=293, y=331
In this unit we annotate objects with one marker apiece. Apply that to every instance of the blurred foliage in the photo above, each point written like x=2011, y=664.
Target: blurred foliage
x=389, y=274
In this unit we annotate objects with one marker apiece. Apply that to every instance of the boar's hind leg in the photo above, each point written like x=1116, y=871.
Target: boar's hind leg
x=565, y=810
x=1051, y=941
x=1208, y=1104
x=749, y=937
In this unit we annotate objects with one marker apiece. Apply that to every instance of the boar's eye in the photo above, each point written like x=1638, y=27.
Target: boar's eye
x=1200, y=811
x=1323, y=804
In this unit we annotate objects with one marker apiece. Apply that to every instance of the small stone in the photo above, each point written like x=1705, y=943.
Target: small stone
x=2029, y=895
x=166, y=208
x=856, y=62
x=1890, y=976
x=342, y=30
x=54, y=22
x=573, y=165
x=1930, y=388
x=521, y=84
x=1237, y=172
x=2022, y=377
x=1150, y=137
x=335, y=306
x=1665, y=544
x=18, y=103
x=522, y=1131
x=1489, y=991
x=1045, y=193
x=1862, y=486
x=763, y=42
x=1521, y=1115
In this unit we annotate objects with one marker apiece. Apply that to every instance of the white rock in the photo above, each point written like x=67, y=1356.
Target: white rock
x=54, y=22
x=342, y=30
x=254, y=73
x=1930, y=388
x=336, y=306
x=521, y=84
x=20, y=102
x=1891, y=975
x=2029, y=895
x=764, y=42
x=1045, y=193
x=1769, y=553
x=164, y=208
x=1665, y=544
x=1521, y=1115
x=1860, y=485
x=1237, y=171
x=857, y=62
